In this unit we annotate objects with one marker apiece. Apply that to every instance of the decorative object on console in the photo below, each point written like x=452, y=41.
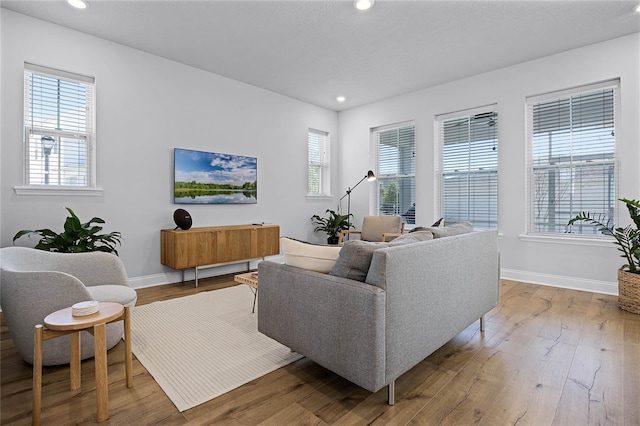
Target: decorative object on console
x=370, y=177
x=332, y=225
x=628, y=241
x=77, y=237
x=183, y=219
x=212, y=178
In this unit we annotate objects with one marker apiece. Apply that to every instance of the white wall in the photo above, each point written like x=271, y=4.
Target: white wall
x=146, y=106
x=577, y=266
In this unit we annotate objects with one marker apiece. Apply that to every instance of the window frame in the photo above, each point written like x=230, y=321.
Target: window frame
x=89, y=137
x=324, y=165
x=374, y=203
x=440, y=120
x=531, y=234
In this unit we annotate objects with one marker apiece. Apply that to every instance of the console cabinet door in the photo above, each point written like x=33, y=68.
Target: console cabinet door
x=266, y=241
x=233, y=245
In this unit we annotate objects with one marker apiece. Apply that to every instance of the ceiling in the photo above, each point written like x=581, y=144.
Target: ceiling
x=315, y=50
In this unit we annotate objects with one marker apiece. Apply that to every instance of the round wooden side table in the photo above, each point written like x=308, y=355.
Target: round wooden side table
x=61, y=323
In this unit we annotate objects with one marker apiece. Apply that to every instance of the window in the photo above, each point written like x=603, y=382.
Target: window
x=318, y=163
x=467, y=168
x=58, y=129
x=572, y=158
x=394, y=151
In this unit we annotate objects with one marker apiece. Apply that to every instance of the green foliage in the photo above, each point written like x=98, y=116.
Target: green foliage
x=77, y=237
x=333, y=224
x=627, y=239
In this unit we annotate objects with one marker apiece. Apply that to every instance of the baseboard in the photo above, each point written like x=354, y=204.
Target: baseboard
x=594, y=286
x=172, y=276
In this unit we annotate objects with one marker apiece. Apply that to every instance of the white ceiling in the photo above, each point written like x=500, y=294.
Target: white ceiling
x=315, y=50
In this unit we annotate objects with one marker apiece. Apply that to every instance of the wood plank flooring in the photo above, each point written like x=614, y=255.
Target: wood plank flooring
x=549, y=356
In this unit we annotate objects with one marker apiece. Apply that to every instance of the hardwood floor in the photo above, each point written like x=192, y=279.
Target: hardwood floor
x=549, y=356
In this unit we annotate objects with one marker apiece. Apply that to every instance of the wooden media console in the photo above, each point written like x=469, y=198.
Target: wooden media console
x=217, y=245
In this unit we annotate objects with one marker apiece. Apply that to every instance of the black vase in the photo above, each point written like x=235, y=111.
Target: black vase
x=332, y=240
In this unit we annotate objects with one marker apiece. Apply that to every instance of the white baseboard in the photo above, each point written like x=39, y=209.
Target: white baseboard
x=594, y=286
x=189, y=274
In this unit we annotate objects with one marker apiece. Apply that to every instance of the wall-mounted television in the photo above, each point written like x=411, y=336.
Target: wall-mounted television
x=212, y=178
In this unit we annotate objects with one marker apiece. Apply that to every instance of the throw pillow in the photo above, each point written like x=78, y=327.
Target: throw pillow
x=355, y=257
x=309, y=256
x=448, y=231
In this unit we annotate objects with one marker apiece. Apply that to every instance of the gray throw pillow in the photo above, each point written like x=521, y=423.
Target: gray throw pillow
x=355, y=256
x=450, y=230
x=354, y=259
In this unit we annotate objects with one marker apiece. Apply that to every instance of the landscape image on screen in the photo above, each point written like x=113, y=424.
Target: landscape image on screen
x=212, y=178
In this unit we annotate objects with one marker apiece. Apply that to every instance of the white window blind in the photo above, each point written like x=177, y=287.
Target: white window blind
x=59, y=128
x=467, y=168
x=318, y=163
x=572, y=164
x=395, y=189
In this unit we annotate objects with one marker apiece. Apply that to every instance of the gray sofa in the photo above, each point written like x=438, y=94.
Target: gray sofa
x=35, y=283
x=415, y=298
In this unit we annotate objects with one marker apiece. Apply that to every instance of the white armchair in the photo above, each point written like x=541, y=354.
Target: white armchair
x=35, y=283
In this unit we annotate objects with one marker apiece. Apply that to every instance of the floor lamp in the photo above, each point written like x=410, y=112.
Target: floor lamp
x=370, y=177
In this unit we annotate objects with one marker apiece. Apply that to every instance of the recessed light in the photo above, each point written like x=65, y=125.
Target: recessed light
x=637, y=8
x=341, y=99
x=78, y=4
x=363, y=4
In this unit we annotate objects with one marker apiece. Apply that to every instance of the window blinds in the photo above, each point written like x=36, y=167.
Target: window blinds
x=469, y=169
x=395, y=153
x=58, y=120
x=573, y=159
x=318, y=163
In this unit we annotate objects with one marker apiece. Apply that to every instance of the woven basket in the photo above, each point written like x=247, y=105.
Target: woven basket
x=628, y=290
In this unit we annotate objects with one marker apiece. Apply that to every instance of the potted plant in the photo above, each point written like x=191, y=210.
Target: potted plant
x=77, y=237
x=628, y=241
x=332, y=224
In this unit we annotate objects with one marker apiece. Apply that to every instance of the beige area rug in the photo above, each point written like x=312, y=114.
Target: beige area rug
x=199, y=347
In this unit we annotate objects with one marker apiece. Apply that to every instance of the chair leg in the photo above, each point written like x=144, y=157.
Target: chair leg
x=392, y=393
x=482, y=324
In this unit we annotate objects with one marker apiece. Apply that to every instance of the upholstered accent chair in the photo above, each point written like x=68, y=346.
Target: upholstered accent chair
x=377, y=228
x=35, y=283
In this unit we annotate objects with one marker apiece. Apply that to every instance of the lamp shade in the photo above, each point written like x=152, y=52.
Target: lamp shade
x=370, y=176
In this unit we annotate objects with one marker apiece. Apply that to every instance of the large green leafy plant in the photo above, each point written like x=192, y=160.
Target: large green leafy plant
x=627, y=239
x=332, y=224
x=77, y=237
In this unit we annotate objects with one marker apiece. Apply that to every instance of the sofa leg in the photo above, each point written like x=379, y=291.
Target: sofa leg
x=392, y=393
x=482, y=324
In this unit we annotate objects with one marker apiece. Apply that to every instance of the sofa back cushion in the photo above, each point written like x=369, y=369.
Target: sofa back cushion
x=355, y=256
x=446, y=231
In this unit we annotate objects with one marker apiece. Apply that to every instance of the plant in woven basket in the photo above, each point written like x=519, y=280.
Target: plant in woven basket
x=628, y=241
x=77, y=237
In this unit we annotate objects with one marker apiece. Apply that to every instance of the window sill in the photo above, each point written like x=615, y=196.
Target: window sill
x=570, y=240
x=319, y=197
x=42, y=190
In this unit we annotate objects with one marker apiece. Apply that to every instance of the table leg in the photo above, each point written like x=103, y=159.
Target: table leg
x=75, y=369
x=102, y=395
x=127, y=346
x=37, y=374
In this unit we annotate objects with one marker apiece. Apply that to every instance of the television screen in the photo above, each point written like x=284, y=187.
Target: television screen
x=212, y=178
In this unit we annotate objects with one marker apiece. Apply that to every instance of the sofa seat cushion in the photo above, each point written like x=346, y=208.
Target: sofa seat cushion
x=114, y=293
x=309, y=256
x=355, y=257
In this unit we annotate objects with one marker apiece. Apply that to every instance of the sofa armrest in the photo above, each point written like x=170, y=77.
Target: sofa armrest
x=336, y=322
